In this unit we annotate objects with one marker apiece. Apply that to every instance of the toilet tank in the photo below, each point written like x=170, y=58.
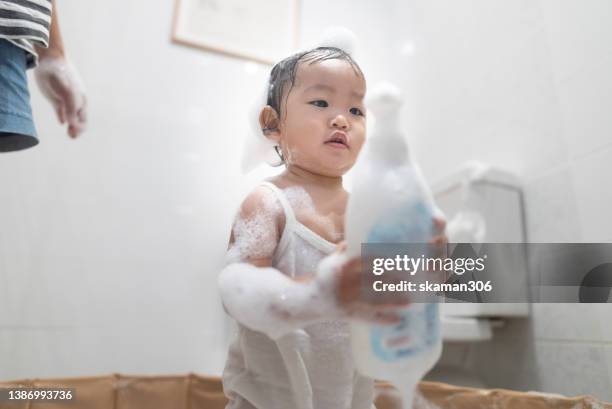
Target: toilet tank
x=492, y=199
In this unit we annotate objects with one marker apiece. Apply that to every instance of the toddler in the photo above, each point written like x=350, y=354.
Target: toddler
x=288, y=284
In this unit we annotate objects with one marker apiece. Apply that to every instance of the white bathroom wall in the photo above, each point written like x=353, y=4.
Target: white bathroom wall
x=525, y=85
x=576, y=340
x=110, y=244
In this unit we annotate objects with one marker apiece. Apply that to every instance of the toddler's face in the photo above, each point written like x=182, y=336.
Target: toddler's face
x=323, y=125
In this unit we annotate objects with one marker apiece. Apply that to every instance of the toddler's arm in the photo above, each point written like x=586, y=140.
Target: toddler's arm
x=266, y=300
x=258, y=295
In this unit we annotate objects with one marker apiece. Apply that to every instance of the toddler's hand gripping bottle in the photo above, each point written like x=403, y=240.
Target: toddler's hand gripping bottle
x=390, y=203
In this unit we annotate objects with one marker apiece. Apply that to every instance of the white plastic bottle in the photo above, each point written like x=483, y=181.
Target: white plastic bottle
x=390, y=203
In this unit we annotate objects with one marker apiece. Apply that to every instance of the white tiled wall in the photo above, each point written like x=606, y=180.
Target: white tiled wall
x=567, y=322
x=573, y=342
x=525, y=85
x=544, y=219
x=52, y=351
x=591, y=174
x=572, y=368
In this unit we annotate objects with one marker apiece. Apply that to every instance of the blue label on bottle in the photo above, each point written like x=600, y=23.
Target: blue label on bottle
x=409, y=223
x=418, y=331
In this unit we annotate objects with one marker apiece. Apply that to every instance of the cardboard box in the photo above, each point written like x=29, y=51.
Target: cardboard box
x=202, y=392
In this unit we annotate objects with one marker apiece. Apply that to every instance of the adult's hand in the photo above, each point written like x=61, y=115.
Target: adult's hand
x=59, y=81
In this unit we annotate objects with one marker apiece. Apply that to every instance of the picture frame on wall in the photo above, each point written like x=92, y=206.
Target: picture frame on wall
x=263, y=31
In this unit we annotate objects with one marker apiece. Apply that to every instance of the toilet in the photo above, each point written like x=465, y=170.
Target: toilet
x=482, y=204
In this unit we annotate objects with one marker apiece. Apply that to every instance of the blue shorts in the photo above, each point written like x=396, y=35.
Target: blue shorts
x=16, y=124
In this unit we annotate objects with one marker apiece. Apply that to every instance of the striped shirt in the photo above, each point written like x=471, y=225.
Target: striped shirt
x=26, y=23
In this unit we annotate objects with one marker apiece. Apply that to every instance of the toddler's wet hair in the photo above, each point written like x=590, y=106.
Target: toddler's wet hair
x=283, y=73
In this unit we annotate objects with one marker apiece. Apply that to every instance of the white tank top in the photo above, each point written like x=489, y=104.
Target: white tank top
x=310, y=368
